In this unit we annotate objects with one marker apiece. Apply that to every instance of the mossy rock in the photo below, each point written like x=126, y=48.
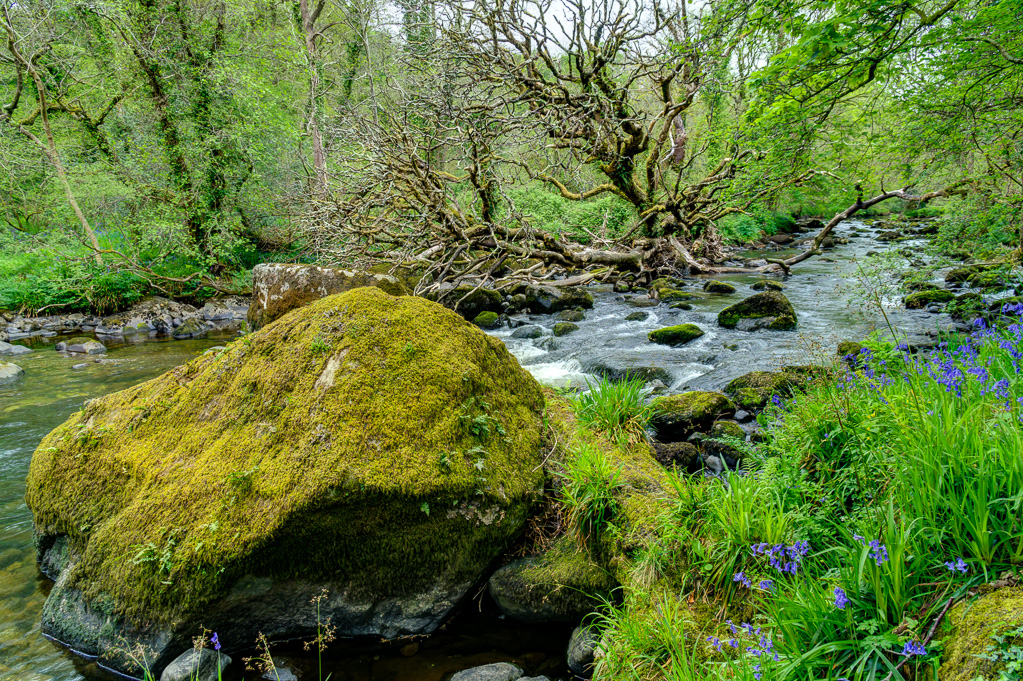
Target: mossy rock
x=551, y=299
x=662, y=283
x=571, y=315
x=193, y=327
x=960, y=275
x=768, y=285
x=971, y=625
x=278, y=288
x=564, y=328
x=678, y=416
x=714, y=286
x=987, y=280
x=677, y=296
x=472, y=301
x=683, y=456
x=915, y=286
x=675, y=335
x=231, y=490
x=638, y=316
x=754, y=390
x=846, y=348
x=488, y=320
x=680, y=306
x=921, y=299
x=562, y=585
x=770, y=310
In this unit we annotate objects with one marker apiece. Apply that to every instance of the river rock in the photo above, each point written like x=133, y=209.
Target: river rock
x=225, y=309
x=637, y=316
x=767, y=310
x=960, y=275
x=499, y=671
x=921, y=299
x=754, y=390
x=614, y=369
x=571, y=316
x=582, y=649
x=551, y=299
x=563, y=585
x=714, y=286
x=669, y=296
x=81, y=346
x=153, y=315
x=279, y=288
x=973, y=623
x=529, y=332
x=768, y=285
x=193, y=327
x=678, y=416
x=196, y=665
x=9, y=373
x=244, y=483
x=488, y=320
x=13, y=350
x=675, y=335
x=565, y=328
x=680, y=455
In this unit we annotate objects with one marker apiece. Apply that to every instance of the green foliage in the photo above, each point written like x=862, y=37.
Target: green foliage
x=546, y=209
x=588, y=495
x=616, y=408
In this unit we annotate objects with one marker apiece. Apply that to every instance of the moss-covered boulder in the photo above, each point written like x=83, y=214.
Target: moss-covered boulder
x=576, y=315
x=767, y=310
x=672, y=296
x=678, y=416
x=846, y=348
x=768, y=285
x=279, y=288
x=714, y=286
x=675, y=335
x=378, y=447
x=488, y=320
x=682, y=456
x=960, y=275
x=921, y=299
x=754, y=390
x=469, y=301
x=562, y=585
x=966, y=652
x=637, y=316
x=551, y=299
x=565, y=328
x=991, y=281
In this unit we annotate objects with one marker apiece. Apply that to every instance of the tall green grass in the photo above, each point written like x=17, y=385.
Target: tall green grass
x=618, y=409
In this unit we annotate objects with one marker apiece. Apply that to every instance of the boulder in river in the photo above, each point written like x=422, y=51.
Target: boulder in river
x=9, y=372
x=279, y=288
x=754, y=390
x=488, y=320
x=231, y=490
x=676, y=417
x=13, y=350
x=81, y=346
x=575, y=315
x=767, y=310
x=615, y=369
x=768, y=285
x=582, y=649
x=714, y=286
x=675, y=335
x=960, y=275
x=551, y=299
x=921, y=299
x=565, y=328
x=498, y=671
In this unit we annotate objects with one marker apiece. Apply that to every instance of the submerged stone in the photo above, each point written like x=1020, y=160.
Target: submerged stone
x=230, y=491
x=9, y=372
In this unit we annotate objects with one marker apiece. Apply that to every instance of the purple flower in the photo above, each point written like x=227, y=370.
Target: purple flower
x=215, y=641
x=714, y=641
x=959, y=565
x=776, y=400
x=766, y=584
x=742, y=579
x=914, y=648
x=841, y=600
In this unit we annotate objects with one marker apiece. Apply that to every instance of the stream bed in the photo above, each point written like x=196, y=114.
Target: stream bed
x=821, y=291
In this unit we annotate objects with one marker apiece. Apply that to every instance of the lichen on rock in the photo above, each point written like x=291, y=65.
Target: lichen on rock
x=379, y=447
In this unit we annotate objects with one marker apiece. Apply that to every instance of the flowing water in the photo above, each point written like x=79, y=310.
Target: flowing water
x=51, y=390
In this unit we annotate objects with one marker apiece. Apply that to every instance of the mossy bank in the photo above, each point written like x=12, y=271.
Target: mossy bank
x=231, y=490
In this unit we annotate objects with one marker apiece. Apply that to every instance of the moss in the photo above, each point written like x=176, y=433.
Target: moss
x=678, y=416
x=768, y=285
x=639, y=316
x=849, y=348
x=727, y=429
x=487, y=320
x=760, y=306
x=971, y=625
x=662, y=283
x=274, y=458
x=571, y=315
x=680, y=306
x=961, y=274
x=921, y=299
x=987, y=280
x=675, y=335
x=753, y=390
x=565, y=328
x=680, y=296
x=714, y=286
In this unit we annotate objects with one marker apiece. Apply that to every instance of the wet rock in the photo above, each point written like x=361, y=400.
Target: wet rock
x=571, y=316
x=758, y=262
x=196, y=665
x=767, y=310
x=675, y=335
x=666, y=283
x=678, y=416
x=643, y=302
x=551, y=299
x=279, y=288
x=638, y=316
x=888, y=235
x=921, y=299
x=362, y=517
x=225, y=309
x=742, y=416
x=846, y=348
x=582, y=648
x=13, y=350
x=282, y=674
x=564, y=328
x=488, y=320
x=528, y=332
x=768, y=285
x=914, y=286
x=960, y=275
x=10, y=373
x=193, y=327
x=754, y=390
x=620, y=370
x=563, y=585
x=81, y=346
x=680, y=455
x=991, y=281
x=781, y=239
x=714, y=286
x=669, y=295
x=499, y=671
x=77, y=367
x=933, y=308
x=153, y=315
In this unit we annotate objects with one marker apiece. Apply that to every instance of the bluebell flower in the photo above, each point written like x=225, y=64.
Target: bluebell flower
x=742, y=579
x=766, y=584
x=914, y=648
x=959, y=565
x=215, y=640
x=841, y=600
x=715, y=642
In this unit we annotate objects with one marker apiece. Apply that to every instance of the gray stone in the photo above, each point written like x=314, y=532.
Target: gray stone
x=571, y=316
x=530, y=332
x=9, y=373
x=581, y=650
x=638, y=316
x=196, y=665
x=193, y=327
x=552, y=299
x=620, y=370
x=13, y=350
x=89, y=347
x=79, y=366
x=499, y=671
x=279, y=674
